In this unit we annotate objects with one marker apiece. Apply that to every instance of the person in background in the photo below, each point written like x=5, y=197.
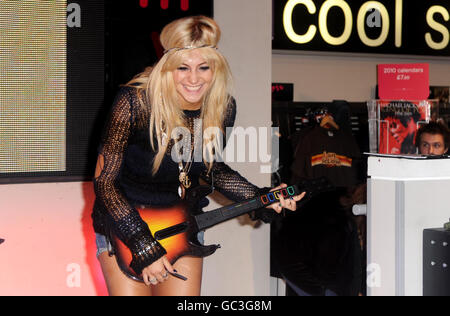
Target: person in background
x=432, y=139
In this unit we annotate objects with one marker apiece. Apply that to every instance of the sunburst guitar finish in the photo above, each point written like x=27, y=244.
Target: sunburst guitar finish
x=176, y=227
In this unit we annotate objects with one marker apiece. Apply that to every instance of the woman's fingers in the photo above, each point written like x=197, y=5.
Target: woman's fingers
x=159, y=277
x=278, y=206
x=281, y=205
x=167, y=265
x=153, y=279
x=157, y=272
x=149, y=279
x=290, y=203
x=281, y=186
x=299, y=197
x=145, y=279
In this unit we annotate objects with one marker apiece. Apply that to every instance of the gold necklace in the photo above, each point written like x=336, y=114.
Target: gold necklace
x=183, y=177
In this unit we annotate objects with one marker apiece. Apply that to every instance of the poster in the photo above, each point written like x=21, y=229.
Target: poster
x=398, y=125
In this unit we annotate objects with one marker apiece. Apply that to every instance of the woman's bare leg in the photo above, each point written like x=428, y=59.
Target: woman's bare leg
x=191, y=268
x=117, y=282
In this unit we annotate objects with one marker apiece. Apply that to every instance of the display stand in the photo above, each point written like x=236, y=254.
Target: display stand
x=405, y=196
x=393, y=124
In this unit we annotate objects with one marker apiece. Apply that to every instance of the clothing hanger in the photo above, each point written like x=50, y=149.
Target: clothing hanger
x=328, y=122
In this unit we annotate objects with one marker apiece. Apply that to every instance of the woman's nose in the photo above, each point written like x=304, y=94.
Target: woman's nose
x=193, y=77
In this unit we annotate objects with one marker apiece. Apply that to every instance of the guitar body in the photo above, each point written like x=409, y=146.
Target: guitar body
x=179, y=241
x=176, y=228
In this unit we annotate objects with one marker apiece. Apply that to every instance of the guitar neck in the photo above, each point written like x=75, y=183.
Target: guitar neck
x=211, y=218
x=220, y=215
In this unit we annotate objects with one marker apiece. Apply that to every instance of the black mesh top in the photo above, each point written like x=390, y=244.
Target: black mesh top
x=126, y=179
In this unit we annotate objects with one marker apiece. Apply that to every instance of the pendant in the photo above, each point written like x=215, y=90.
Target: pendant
x=187, y=182
x=181, y=192
x=182, y=177
x=184, y=180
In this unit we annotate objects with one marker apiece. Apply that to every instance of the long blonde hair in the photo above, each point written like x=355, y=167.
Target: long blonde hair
x=201, y=33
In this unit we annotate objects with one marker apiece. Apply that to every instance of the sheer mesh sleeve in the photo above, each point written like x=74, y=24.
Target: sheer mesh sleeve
x=124, y=220
x=233, y=185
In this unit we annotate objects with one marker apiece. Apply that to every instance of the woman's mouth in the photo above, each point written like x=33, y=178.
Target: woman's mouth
x=193, y=88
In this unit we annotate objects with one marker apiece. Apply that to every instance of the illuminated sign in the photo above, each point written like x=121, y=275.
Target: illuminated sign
x=385, y=27
x=164, y=4
x=33, y=75
x=282, y=92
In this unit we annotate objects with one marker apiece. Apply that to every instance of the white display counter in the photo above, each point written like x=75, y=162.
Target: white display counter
x=405, y=196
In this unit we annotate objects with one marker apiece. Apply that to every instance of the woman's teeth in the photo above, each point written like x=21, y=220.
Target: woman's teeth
x=193, y=88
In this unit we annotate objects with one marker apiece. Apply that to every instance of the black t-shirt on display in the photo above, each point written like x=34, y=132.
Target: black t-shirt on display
x=315, y=246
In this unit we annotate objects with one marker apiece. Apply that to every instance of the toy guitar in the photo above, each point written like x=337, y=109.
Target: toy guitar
x=176, y=227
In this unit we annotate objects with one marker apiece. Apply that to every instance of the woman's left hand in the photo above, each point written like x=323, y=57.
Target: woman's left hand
x=290, y=203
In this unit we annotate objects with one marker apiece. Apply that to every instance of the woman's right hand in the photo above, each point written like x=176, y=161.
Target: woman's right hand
x=157, y=272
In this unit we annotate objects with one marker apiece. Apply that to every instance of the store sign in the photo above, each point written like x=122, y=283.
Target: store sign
x=404, y=81
x=282, y=92
x=384, y=27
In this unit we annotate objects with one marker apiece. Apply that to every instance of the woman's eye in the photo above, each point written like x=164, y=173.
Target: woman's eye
x=204, y=68
x=182, y=68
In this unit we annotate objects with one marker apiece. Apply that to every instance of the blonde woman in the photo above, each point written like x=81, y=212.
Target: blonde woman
x=189, y=87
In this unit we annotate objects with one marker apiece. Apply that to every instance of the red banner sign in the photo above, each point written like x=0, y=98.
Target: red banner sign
x=404, y=81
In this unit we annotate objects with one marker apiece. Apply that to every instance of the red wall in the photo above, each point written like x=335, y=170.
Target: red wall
x=50, y=244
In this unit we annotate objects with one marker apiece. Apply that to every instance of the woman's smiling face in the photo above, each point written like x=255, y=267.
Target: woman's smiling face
x=192, y=79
